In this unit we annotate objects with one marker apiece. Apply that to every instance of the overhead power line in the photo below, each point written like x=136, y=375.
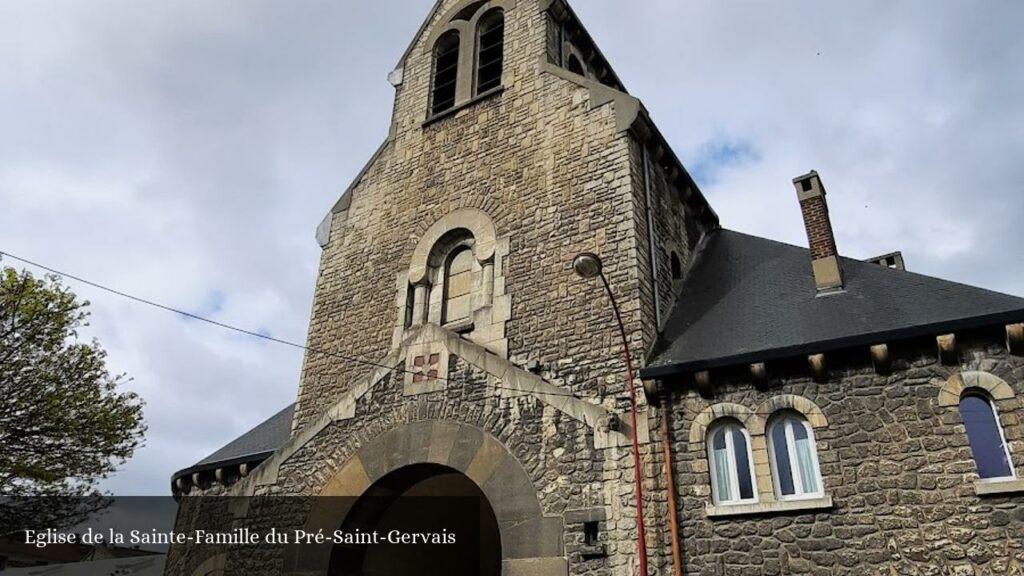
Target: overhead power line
x=252, y=333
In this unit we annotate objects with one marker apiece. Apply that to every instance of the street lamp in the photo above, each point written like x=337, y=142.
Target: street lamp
x=588, y=265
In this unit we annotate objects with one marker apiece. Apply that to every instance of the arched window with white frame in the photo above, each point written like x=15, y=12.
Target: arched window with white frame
x=985, y=435
x=794, y=457
x=731, y=464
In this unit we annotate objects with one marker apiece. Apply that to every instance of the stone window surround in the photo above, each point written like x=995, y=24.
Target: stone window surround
x=754, y=421
x=490, y=27
x=491, y=307
x=465, y=89
x=1001, y=396
x=481, y=284
x=440, y=297
x=445, y=71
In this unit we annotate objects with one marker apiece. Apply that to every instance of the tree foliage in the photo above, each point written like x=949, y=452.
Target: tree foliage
x=64, y=422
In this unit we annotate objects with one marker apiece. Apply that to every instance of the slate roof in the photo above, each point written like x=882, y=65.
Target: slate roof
x=257, y=443
x=750, y=299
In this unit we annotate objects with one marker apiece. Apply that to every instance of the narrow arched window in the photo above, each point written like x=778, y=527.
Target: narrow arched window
x=732, y=475
x=458, y=281
x=490, y=51
x=677, y=267
x=446, y=72
x=794, y=458
x=988, y=445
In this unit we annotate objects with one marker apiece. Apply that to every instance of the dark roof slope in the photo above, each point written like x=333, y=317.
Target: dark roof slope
x=259, y=442
x=749, y=299
x=265, y=437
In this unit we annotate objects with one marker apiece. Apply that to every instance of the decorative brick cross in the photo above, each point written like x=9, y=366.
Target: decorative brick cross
x=425, y=367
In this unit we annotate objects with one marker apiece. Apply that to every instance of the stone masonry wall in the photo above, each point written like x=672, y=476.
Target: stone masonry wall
x=675, y=231
x=551, y=172
x=897, y=465
x=571, y=478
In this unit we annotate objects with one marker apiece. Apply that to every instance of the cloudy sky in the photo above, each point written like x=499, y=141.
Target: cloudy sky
x=185, y=151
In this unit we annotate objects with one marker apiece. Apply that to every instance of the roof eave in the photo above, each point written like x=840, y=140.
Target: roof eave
x=201, y=467
x=868, y=338
x=683, y=179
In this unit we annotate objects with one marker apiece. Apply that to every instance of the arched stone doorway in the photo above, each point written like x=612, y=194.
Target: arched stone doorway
x=421, y=499
x=420, y=454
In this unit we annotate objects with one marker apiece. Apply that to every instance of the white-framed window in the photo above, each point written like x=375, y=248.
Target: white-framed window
x=731, y=463
x=794, y=458
x=985, y=435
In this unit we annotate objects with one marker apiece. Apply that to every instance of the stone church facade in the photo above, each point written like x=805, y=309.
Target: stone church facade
x=818, y=414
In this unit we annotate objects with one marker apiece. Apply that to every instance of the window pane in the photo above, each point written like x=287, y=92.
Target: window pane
x=574, y=65
x=805, y=457
x=783, y=468
x=462, y=262
x=446, y=64
x=457, y=309
x=459, y=284
x=491, y=52
x=984, y=436
x=723, y=490
x=742, y=464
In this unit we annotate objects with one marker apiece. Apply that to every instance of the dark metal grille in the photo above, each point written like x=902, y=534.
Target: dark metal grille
x=446, y=73
x=490, y=57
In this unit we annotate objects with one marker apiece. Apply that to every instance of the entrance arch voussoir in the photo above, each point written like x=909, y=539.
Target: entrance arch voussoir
x=526, y=533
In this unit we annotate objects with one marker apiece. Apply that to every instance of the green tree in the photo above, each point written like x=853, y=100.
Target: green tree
x=64, y=422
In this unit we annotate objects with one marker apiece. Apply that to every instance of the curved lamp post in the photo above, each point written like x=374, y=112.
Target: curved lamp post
x=588, y=265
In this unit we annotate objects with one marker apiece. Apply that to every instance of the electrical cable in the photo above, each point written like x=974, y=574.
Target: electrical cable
x=251, y=333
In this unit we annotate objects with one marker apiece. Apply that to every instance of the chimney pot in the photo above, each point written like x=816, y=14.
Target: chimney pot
x=828, y=272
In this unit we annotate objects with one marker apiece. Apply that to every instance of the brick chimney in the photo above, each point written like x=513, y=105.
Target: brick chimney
x=828, y=272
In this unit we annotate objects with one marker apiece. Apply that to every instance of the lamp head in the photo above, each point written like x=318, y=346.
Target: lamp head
x=587, y=265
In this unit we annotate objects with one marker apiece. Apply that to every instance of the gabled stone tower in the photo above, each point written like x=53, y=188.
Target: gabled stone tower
x=498, y=168
x=450, y=329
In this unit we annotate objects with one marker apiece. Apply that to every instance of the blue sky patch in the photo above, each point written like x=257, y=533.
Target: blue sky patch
x=719, y=155
x=212, y=304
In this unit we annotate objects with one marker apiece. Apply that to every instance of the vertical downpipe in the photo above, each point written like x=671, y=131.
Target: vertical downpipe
x=650, y=238
x=670, y=484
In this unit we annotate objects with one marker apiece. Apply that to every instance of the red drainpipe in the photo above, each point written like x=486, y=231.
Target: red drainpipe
x=670, y=487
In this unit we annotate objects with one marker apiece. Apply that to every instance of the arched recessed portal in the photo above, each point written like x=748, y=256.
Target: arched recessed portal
x=428, y=501
x=414, y=455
